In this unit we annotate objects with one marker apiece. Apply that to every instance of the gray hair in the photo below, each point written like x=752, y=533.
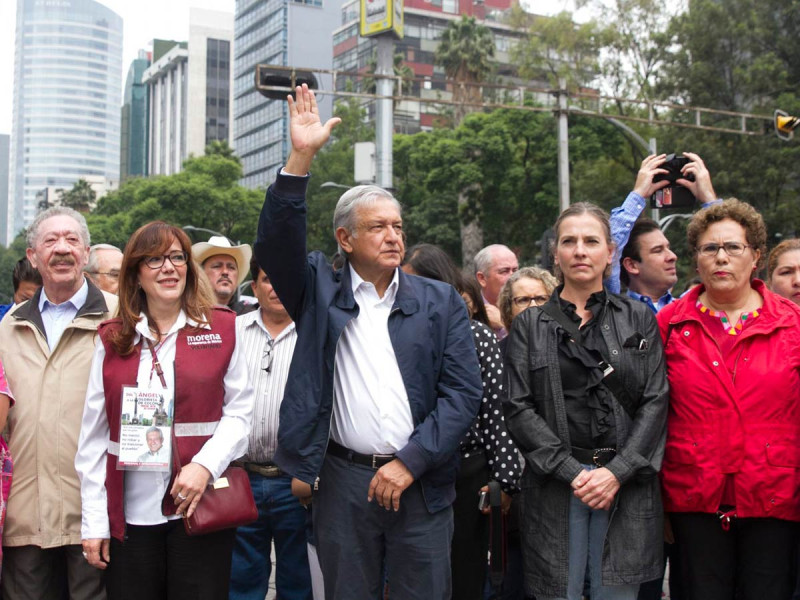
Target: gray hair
x=154, y=429
x=91, y=265
x=505, y=298
x=55, y=211
x=360, y=195
x=485, y=257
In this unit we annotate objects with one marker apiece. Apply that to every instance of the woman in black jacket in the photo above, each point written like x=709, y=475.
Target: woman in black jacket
x=586, y=405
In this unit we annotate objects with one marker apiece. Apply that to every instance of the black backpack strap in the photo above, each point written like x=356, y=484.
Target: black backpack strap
x=612, y=379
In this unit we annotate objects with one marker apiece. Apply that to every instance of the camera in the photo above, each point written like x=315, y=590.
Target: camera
x=674, y=195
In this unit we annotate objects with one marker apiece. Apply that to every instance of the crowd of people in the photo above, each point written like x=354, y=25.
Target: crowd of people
x=390, y=411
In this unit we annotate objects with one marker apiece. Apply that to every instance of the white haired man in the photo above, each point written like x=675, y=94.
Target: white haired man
x=383, y=385
x=103, y=267
x=46, y=348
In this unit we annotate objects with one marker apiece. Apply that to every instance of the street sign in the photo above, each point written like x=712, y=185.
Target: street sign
x=381, y=16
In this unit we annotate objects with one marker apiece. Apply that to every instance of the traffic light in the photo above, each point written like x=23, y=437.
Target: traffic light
x=271, y=76
x=785, y=125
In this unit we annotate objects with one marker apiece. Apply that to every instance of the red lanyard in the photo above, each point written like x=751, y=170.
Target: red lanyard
x=156, y=365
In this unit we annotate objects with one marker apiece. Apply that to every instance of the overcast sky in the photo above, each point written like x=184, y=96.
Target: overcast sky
x=143, y=20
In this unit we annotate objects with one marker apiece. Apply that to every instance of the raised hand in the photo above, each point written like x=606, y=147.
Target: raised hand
x=701, y=186
x=307, y=132
x=651, y=166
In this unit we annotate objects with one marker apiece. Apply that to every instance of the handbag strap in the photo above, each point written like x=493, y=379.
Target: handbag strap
x=611, y=379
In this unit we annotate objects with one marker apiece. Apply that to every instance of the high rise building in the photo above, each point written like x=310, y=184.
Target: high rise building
x=278, y=32
x=424, y=22
x=67, y=87
x=189, y=85
x=134, y=114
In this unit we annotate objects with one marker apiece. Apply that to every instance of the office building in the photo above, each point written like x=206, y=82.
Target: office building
x=67, y=89
x=189, y=90
x=135, y=111
x=424, y=22
x=278, y=32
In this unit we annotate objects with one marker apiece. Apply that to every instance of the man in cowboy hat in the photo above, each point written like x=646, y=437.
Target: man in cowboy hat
x=226, y=266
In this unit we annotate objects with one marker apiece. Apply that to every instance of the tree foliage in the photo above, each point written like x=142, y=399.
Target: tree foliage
x=204, y=194
x=80, y=197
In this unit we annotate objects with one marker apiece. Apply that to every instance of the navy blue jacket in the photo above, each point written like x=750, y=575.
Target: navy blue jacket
x=430, y=334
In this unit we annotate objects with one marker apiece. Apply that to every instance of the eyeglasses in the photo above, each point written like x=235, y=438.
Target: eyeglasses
x=526, y=301
x=266, y=358
x=111, y=274
x=178, y=259
x=731, y=249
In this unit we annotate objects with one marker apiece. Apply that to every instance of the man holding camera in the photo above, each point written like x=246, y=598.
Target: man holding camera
x=642, y=250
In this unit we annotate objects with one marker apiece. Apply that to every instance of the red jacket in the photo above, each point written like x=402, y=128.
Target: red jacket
x=743, y=420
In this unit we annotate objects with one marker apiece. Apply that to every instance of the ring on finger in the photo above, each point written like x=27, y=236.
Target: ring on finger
x=181, y=497
x=85, y=555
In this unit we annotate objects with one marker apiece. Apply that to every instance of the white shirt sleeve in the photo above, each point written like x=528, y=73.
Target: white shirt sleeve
x=90, y=460
x=230, y=438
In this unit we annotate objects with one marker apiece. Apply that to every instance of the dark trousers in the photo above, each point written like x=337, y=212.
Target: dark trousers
x=470, y=530
x=33, y=573
x=161, y=562
x=754, y=560
x=355, y=538
x=651, y=590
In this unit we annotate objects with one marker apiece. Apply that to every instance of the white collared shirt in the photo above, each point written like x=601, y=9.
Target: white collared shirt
x=267, y=386
x=144, y=490
x=371, y=413
x=56, y=317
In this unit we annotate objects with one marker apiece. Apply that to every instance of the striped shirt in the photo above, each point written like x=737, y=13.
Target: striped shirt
x=268, y=363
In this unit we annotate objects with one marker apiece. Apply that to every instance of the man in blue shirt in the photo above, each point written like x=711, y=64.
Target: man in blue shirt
x=644, y=261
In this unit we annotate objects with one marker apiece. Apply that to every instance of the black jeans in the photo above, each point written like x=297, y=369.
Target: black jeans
x=162, y=562
x=754, y=560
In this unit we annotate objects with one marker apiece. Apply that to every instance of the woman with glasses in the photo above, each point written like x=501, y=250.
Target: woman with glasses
x=731, y=473
x=586, y=406
x=169, y=342
x=529, y=286
x=486, y=451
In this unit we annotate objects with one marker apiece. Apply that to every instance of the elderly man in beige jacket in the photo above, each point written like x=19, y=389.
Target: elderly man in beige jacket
x=46, y=347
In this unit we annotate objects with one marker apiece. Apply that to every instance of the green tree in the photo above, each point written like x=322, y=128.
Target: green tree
x=221, y=148
x=8, y=259
x=204, y=194
x=741, y=56
x=81, y=197
x=509, y=159
x=557, y=47
x=465, y=51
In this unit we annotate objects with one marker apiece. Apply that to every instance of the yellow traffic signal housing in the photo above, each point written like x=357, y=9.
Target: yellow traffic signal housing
x=785, y=124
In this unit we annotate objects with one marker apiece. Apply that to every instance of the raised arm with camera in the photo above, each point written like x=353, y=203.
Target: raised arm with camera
x=654, y=176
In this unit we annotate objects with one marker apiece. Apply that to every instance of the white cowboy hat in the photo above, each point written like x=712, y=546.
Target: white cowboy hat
x=218, y=244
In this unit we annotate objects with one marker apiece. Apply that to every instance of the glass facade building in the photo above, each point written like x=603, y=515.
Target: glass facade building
x=135, y=112
x=67, y=88
x=294, y=33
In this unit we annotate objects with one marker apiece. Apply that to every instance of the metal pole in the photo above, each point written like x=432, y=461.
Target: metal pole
x=563, y=147
x=384, y=71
